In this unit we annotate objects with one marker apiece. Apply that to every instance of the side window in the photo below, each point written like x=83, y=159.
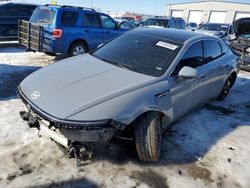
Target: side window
x=183, y=25
x=69, y=18
x=171, y=24
x=107, y=22
x=193, y=57
x=231, y=30
x=213, y=50
x=177, y=24
x=224, y=48
x=91, y=20
x=10, y=11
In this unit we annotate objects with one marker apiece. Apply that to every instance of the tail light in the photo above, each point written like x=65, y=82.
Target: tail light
x=57, y=33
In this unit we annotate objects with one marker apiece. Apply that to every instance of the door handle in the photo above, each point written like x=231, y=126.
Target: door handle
x=107, y=32
x=86, y=30
x=203, y=76
x=163, y=93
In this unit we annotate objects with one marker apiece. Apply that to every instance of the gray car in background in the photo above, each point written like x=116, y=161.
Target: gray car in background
x=220, y=30
x=133, y=88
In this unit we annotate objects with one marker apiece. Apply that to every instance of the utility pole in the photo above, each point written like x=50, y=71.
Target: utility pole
x=155, y=6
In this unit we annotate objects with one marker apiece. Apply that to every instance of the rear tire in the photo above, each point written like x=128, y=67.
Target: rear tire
x=226, y=88
x=148, y=137
x=77, y=48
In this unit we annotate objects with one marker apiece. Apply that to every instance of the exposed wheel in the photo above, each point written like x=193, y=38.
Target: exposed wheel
x=225, y=90
x=77, y=48
x=148, y=137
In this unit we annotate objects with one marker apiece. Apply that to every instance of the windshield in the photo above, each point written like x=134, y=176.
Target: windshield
x=140, y=53
x=156, y=22
x=214, y=27
x=43, y=15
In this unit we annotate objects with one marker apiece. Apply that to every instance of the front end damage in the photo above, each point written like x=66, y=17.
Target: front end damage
x=241, y=44
x=76, y=138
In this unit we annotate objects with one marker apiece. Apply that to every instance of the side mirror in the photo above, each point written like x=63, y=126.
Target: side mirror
x=124, y=26
x=188, y=73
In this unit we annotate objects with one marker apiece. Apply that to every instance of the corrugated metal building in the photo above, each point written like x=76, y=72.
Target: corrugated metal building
x=209, y=11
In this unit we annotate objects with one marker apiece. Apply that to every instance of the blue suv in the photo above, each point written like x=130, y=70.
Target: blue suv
x=73, y=30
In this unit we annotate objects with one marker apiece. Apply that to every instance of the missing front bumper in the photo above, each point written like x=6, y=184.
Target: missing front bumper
x=66, y=136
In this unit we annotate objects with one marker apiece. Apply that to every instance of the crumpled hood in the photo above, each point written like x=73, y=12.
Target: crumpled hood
x=242, y=26
x=78, y=83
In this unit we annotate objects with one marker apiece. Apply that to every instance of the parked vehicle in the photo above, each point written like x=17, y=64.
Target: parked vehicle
x=223, y=31
x=168, y=22
x=133, y=87
x=132, y=22
x=123, y=24
x=192, y=26
x=10, y=13
x=241, y=43
x=73, y=30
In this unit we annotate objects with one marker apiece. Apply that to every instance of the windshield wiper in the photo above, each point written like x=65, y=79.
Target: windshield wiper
x=128, y=67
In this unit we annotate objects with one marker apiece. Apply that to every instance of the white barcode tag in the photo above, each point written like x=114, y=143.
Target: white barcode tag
x=166, y=45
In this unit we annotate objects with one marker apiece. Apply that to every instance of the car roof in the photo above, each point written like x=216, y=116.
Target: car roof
x=71, y=7
x=164, y=18
x=19, y=3
x=217, y=24
x=177, y=35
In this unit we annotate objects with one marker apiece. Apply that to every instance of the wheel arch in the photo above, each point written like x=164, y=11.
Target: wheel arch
x=234, y=76
x=78, y=40
x=165, y=117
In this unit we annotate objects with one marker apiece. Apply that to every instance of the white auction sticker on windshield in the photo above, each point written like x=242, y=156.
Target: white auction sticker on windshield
x=166, y=45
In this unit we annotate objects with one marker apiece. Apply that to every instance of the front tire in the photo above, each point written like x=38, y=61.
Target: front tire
x=77, y=48
x=148, y=137
x=226, y=88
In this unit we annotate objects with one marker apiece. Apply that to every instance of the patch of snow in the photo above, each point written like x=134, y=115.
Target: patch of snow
x=208, y=148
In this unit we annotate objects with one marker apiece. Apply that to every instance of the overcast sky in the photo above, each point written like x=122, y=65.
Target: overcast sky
x=140, y=6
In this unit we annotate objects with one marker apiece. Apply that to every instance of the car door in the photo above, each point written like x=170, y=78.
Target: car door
x=186, y=93
x=214, y=68
x=109, y=28
x=93, y=30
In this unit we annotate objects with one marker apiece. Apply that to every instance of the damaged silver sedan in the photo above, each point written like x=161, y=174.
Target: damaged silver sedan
x=132, y=88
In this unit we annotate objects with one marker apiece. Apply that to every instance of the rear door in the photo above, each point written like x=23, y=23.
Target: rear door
x=109, y=28
x=215, y=68
x=93, y=30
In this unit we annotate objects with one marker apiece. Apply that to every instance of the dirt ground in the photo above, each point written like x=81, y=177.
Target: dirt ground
x=208, y=148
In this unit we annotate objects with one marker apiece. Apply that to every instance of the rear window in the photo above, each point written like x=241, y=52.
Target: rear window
x=69, y=18
x=43, y=15
x=156, y=22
